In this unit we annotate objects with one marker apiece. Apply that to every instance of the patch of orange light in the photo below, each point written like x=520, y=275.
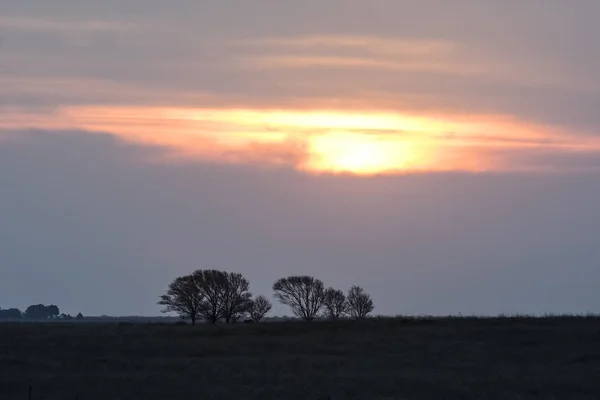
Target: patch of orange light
x=353, y=121
x=315, y=141
x=362, y=154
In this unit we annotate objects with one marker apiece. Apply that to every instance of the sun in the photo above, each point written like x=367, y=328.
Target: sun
x=360, y=154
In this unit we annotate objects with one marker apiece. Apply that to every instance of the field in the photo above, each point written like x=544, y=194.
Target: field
x=457, y=358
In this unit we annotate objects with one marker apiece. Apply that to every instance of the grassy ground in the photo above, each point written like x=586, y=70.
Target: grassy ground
x=519, y=358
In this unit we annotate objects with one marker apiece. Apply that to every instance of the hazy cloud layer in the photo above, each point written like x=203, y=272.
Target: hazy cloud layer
x=537, y=61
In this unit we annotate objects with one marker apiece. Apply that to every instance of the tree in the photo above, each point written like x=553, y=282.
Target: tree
x=10, y=314
x=236, y=298
x=335, y=303
x=35, y=312
x=52, y=311
x=303, y=294
x=259, y=307
x=79, y=317
x=360, y=303
x=212, y=284
x=183, y=297
x=42, y=312
x=209, y=294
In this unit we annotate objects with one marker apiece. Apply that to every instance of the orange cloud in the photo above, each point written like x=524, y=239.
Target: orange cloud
x=318, y=141
x=348, y=62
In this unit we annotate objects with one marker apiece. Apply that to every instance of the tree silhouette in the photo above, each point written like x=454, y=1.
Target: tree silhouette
x=10, y=314
x=53, y=311
x=236, y=298
x=41, y=312
x=259, y=307
x=209, y=294
x=36, y=312
x=335, y=303
x=183, y=297
x=303, y=294
x=212, y=283
x=360, y=303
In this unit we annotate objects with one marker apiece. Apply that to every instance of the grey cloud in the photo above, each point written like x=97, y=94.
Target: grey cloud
x=163, y=50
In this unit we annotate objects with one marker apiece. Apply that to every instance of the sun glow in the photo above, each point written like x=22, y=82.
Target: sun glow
x=361, y=154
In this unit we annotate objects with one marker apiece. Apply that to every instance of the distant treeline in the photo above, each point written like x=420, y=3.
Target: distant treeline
x=218, y=296
x=37, y=312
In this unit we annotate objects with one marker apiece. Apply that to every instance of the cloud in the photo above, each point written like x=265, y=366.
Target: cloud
x=398, y=54
x=156, y=75
x=372, y=44
x=350, y=63
x=322, y=141
x=44, y=25
x=215, y=55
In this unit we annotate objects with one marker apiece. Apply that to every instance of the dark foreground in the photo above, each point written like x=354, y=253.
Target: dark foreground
x=555, y=358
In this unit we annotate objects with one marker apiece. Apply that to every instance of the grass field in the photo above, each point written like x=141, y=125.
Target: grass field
x=503, y=358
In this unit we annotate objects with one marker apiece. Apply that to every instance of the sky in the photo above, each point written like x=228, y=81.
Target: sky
x=443, y=155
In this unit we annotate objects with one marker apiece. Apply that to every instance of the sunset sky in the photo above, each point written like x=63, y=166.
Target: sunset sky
x=444, y=155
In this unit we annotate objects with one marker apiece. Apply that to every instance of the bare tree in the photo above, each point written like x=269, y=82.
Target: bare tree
x=259, y=307
x=184, y=297
x=236, y=298
x=360, y=303
x=303, y=294
x=209, y=294
x=212, y=284
x=335, y=303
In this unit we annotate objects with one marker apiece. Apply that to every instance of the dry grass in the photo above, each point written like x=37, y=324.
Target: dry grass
x=461, y=358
